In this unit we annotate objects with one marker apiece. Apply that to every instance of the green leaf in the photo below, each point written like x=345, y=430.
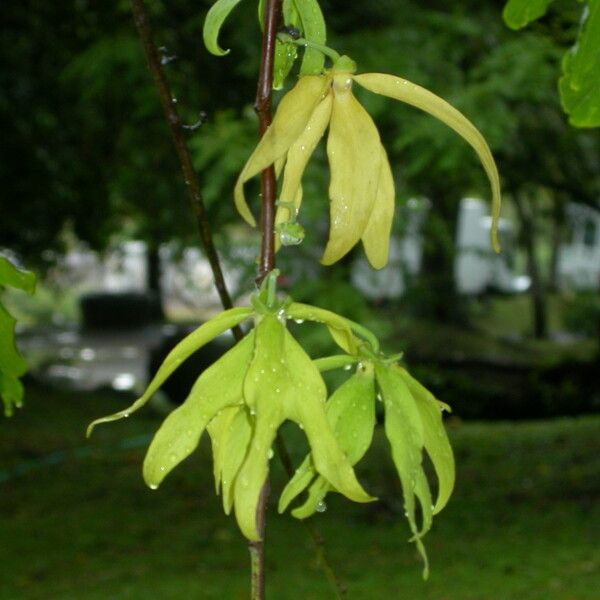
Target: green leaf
x=285, y=57
x=219, y=387
x=215, y=18
x=435, y=438
x=15, y=277
x=519, y=13
x=313, y=26
x=193, y=342
x=11, y=361
x=11, y=392
x=580, y=83
x=286, y=53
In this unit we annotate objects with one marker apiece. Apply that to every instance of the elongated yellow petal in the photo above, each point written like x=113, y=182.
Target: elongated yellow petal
x=405, y=91
x=299, y=154
x=376, y=238
x=218, y=387
x=353, y=149
x=289, y=122
x=204, y=334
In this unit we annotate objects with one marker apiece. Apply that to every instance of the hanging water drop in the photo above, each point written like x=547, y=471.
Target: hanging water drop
x=321, y=507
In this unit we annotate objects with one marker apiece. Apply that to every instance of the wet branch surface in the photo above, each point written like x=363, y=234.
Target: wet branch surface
x=142, y=23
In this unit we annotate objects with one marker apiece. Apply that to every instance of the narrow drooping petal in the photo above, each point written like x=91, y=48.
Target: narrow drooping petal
x=435, y=438
x=351, y=414
x=289, y=122
x=404, y=430
x=236, y=450
x=255, y=468
x=218, y=387
x=376, y=238
x=298, y=156
x=338, y=326
x=193, y=342
x=405, y=91
x=353, y=150
x=306, y=406
x=218, y=430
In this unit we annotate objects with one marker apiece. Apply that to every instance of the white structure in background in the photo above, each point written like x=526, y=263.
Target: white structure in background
x=406, y=254
x=579, y=257
x=477, y=267
x=125, y=268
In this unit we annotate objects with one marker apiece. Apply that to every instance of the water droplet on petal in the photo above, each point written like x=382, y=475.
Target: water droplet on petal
x=321, y=507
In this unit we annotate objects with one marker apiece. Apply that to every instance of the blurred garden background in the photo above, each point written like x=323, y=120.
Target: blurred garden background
x=92, y=200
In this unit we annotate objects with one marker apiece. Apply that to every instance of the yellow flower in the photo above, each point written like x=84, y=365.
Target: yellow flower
x=361, y=189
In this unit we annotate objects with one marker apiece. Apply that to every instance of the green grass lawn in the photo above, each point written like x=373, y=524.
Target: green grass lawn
x=524, y=522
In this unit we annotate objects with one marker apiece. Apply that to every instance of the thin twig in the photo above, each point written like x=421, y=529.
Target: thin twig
x=142, y=23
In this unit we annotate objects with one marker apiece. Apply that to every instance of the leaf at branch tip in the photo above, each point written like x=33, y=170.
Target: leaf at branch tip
x=376, y=238
x=215, y=18
x=354, y=155
x=11, y=392
x=435, y=438
x=193, y=342
x=519, y=13
x=580, y=83
x=338, y=326
x=14, y=277
x=217, y=388
x=410, y=93
x=11, y=361
x=289, y=122
x=313, y=26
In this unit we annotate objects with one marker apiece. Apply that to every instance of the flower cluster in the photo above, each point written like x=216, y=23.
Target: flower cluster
x=361, y=190
x=266, y=379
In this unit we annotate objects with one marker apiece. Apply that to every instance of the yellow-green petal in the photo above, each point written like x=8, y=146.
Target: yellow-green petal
x=405, y=91
x=218, y=429
x=351, y=415
x=376, y=237
x=289, y=122
x=353, y=150
x=215, y=18
x=435, y=438
x=338, y=326
x=217, y=388
x=204, y=334
x=298, y=156
x=404, y=430
x=306, y=406
x=238, y=442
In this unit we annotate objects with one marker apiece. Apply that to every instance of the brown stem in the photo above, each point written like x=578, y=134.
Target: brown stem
x=262, y=106
x=142, y=23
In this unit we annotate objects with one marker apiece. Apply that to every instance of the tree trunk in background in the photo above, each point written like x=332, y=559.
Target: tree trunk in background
x=153, y=282
x=558, y=234
x=434, y=294
x=537, y=293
